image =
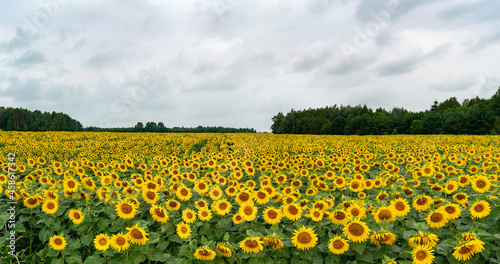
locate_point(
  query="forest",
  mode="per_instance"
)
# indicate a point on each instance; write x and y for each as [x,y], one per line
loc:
[19,119]
[472,116]
[160,128]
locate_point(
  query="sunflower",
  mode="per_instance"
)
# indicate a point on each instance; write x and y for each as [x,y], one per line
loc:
[357,231]
[273,241]
[272,215]
[452,211]
[159,214]
[304,238]
[137,235]
[150,196]
[237,218]
[400,207]
[243,197]
[248,211]
[427,239]
[120,242]
[461,198]
[221,207]
[315,214]
[102,242]
[466,250]
[251,245]
[383,237]
[339,217]
[480,209]
[183,230]
[451,186]
[422,203]
[224,250]
[292,211]
[70,185]
[215,193]
[338,245]
[204,253]
[200,187]
[384,213]
[481,184]
[50,206]
[173,205]
[32,202]
[262,197]
[125,210]
[57,242]
[437,219]
[357,211]
[356,186]
[76,216]
[381,196]
[204,214]
[200,203]
[188,216]
[422,255]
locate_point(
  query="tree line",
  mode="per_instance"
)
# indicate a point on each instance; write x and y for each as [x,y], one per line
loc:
[20,119]
[472,116]
[161,128]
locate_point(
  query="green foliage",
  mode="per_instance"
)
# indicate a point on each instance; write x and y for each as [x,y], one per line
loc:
[19,119]
[416,127]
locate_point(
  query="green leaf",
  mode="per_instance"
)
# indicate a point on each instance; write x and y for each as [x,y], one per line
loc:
[52,253]
[94,259]
[358,247]
[74,259]
[102,224]
[45,234]
[57,261]
[86,239]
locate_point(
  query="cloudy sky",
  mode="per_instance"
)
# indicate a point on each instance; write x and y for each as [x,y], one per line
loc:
[237,63]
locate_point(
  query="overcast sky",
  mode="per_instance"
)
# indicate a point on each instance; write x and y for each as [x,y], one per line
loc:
[237,63]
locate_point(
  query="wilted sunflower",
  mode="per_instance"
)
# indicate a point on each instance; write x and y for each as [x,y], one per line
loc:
[466,250]
[427,239]
[292,211]
[76,216]
[137,235]
[383,237]
[57,242]
[102,242]
[480,209]
[183,230]
[125,210]
[159,214]
[224,250]
[205,254]
[422,255]
[251,245]
[32,201]
[188,216]
[461,198]
[119,242]
[50,206]
[357,231]
[338,245]
[273,241]
[272,215]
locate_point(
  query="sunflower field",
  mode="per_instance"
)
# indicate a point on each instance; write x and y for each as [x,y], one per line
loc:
[83,197]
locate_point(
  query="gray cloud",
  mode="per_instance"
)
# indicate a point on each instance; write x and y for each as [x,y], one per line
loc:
[367,9]
[459,84]
[486,42]
[478,12]
[30,57]
[104,60]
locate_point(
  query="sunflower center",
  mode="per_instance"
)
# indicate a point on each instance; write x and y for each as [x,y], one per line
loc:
[356,229]
[421,201]
[151,195]
[338,244]
[244,197]
[478,208]
[304,237]
[184,230]
[251,243]
[202,186]
[465,249]
[436,217]
[32,201]
[189,215]
[51,205]
[103,241]
[293,210]
[222,206]
[136,234]
[261,195]
[400,206]
[71,184]
[76,216]
[460,197]
[355,185]
[385,214]
[421,255]
[450,209]
[480,184]
[272,214]
[316,214]
[58,241]
[184,192]
[339,215]
[126,208]
[172,204]
[450,187]
[382,196]
[120,241]
[205,252]
[248,210]
[159,212]
[383,238]
[355,212]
